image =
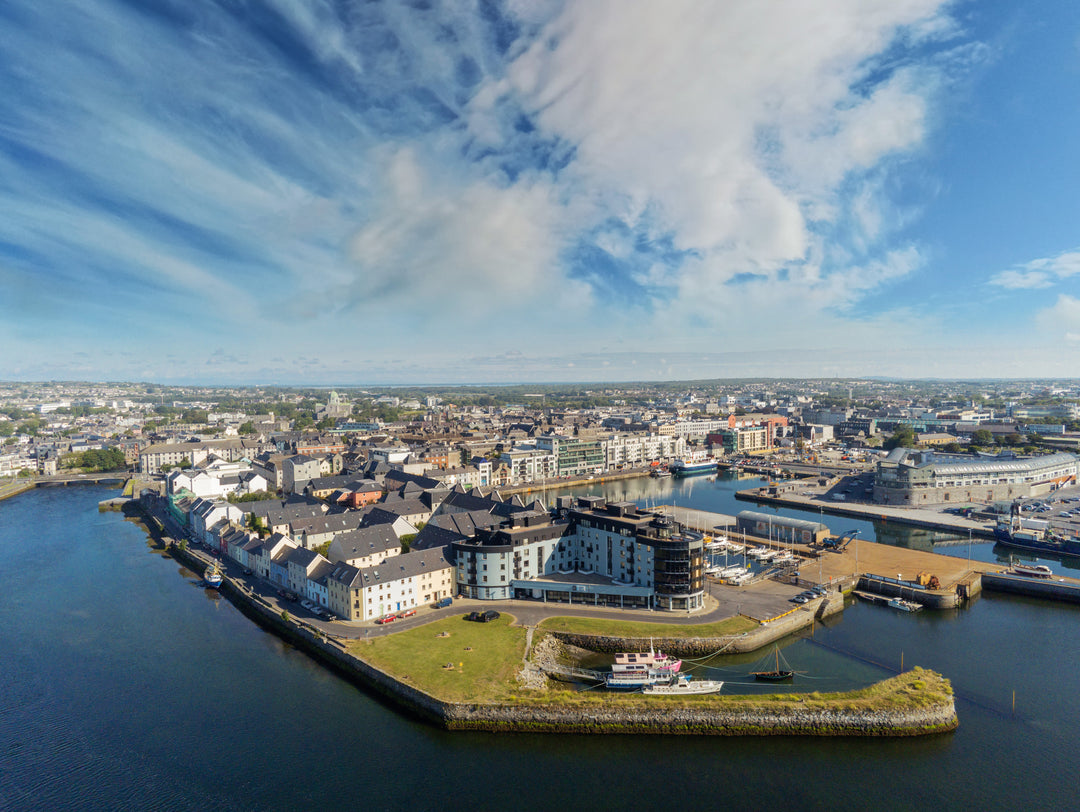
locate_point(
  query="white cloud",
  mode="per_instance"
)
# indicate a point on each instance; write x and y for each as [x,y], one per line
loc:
[1039,273]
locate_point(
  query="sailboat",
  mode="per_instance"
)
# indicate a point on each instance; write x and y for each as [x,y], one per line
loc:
[778,674]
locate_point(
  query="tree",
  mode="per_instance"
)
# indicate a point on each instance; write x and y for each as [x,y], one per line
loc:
[953,448]
[185,463]
[324,548]
[247,428]
[982,437]
[903,437]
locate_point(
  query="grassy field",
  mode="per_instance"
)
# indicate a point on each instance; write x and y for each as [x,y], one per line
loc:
[485,658]
[629,628]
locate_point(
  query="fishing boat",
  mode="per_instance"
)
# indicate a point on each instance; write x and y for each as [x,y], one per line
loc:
[1032,570]
[905,606]
[212,576]
[633,670]
[777,674]
[660,473]
[1035,535]
[683,685]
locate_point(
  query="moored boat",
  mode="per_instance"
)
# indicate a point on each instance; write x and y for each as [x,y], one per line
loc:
[684,468]
[905,606]
[1035,535]
[1032,570]
[212,576]
[633,670]
[684,686]
[775,674]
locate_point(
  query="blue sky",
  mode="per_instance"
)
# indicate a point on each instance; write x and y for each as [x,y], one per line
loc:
[307,191]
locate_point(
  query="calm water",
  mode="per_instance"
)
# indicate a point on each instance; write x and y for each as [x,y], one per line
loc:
[127,686]
[718,496]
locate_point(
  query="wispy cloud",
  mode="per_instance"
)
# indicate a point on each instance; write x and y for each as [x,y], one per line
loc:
[565,171]
[1039,273]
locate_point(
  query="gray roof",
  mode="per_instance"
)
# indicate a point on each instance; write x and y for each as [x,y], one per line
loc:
[407,565]
[363,542]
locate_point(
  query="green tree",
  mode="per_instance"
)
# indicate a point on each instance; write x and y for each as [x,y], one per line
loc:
[982,437]
[185,463]
[324,548]
[247,428]
[903,437]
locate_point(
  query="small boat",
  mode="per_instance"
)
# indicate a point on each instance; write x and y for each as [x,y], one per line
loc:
[1032,570]
[684,686]
[777,674]
[660,473]
[905,606]
[212,576]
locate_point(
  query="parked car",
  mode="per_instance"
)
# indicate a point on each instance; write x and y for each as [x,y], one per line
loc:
[489,615]
[406,613]
[473,616]
[387,619]
[248,571]
[308,605]
[442,604]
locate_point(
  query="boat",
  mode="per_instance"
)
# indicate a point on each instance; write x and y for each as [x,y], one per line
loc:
[1035,535]
[777,674]
[633,670]
[683,685]
[905,606]
[212,576]
[660,473]
[1032,570]
[684,468]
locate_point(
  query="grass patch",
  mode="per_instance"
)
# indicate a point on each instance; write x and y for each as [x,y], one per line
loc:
[417,657]
[630,628]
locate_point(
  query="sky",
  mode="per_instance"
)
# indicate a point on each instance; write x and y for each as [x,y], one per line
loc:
[316,192]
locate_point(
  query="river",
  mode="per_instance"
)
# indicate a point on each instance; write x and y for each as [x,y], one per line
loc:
[126,685]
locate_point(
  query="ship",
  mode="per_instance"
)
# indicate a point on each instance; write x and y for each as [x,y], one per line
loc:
[684,468]
[212,576]
[632,671]
[1035,535]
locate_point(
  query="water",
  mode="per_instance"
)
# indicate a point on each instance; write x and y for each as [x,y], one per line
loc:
[718,496]
[125,685]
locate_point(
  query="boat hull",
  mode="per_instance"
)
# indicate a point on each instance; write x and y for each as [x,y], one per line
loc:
[1035,545]
[774,676]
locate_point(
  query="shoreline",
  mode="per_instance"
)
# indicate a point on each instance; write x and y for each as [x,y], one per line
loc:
[721,716]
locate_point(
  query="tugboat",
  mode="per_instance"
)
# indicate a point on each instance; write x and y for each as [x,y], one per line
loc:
[212,576]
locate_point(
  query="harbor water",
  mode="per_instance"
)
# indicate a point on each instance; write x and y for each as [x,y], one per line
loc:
[127,685]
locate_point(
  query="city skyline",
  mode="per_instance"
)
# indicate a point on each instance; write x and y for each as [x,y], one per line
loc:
[334,193]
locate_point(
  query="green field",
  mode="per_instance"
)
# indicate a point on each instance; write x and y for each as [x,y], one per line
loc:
[485,658]
[642,629]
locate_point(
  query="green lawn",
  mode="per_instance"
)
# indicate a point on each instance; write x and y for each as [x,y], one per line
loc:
[486,673]
[630,628]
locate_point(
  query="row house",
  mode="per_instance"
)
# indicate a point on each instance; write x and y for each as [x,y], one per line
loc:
[307,574]
[404,581]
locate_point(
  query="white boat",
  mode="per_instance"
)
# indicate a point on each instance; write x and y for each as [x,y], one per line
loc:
[905,606]
[684,686]
[735,548]
[632,670]
[785,557]
[1032,570]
